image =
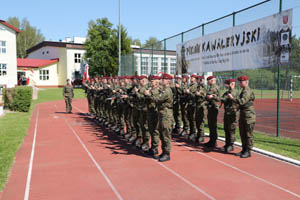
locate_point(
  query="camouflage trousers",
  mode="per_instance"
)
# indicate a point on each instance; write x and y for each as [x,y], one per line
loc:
[229,128]
[152,119]
[200,111]
[68,101]
[165,129]
[246,133]
[143,126]
[177,116]
[91,101]
[191,112]
[212,115]
[186,124]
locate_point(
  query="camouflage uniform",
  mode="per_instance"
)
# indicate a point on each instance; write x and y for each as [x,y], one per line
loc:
[230,117]
[191,109]
[68,94]
[200,111]
[212,114]
[247,117]
[183,106]
[177,110]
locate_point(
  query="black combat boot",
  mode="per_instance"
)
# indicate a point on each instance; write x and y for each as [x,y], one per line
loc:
[192,137]
[138,142]
[127,136]
[132,139]
[153,153]
[241,152]
[183,133]
[165,157]
[210,144]
[145,147]
[246,154]
[229,148]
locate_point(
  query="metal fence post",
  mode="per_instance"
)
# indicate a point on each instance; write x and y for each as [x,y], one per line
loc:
[165,57]
[278,86]
[233,24]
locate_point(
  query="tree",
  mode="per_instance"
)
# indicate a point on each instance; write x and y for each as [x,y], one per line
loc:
[28,37]
[154,41]
[136,42]
[102,47]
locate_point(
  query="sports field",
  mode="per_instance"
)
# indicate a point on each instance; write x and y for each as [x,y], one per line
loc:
[68,156]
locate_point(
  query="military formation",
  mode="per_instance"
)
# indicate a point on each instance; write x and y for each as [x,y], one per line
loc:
[149,110]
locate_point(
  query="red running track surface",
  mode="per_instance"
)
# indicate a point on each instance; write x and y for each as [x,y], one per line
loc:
[76,159]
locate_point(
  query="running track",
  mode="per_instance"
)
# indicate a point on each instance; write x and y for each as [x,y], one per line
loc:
[66,156]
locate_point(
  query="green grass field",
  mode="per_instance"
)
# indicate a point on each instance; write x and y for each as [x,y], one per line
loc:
[283,146]
[14,126]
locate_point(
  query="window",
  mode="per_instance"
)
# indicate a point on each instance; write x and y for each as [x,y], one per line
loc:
[77,58]
[2,46]
[3,69]
[173,66]
[47,52]
[164,64]
[144,67]
[155,66]
[44,74]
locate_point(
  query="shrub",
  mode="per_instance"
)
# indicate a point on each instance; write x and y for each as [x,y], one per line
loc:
[18,98]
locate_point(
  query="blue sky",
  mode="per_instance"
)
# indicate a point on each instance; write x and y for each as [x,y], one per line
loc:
[58,19]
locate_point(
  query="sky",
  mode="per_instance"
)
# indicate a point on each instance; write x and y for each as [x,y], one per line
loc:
[58,19]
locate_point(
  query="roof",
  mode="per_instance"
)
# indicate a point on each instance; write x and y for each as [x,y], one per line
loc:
[35,63]
[10,26]
[69,45]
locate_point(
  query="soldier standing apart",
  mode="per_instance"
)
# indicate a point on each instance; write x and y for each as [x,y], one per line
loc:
[68,94]
[164,101]
[247,116]
[212,97]
[230,115]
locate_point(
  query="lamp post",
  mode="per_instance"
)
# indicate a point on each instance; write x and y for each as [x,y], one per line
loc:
[119,71]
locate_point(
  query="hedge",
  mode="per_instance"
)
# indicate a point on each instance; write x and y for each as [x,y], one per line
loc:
[18,98]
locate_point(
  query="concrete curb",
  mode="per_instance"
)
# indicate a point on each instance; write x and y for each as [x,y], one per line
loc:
[267,153]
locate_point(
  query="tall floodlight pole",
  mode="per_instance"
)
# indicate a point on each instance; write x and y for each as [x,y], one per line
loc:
[119,71]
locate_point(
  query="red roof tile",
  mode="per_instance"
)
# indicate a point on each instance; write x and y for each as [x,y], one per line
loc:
[35,63]
[10,26]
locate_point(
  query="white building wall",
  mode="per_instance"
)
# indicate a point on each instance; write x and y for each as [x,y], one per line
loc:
[71,65]
[35,76]
[10,57]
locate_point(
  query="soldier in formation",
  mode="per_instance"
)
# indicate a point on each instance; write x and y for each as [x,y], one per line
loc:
[148,109]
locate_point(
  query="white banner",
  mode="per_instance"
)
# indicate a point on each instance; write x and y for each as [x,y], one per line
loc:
[257,44]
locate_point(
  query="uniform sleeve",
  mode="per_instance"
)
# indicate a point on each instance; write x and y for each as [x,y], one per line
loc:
[72,92]
[64,91]
[162,97]
[245,98]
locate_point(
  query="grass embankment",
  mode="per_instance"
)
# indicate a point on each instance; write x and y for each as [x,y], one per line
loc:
[14,126]
[283,146]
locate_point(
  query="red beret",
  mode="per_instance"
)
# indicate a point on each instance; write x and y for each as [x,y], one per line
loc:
[210,77]
[167,76]
[126,77]
[231,80]
[178,76]
[195,76]
[201,77]
[133,77]
[227,81]
[155,77]
[142,77]
[243,78]
[186,76]
[115,77]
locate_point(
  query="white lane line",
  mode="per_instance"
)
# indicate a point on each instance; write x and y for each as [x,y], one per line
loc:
[242,171]
[95,162]
[186,181]
[27,188]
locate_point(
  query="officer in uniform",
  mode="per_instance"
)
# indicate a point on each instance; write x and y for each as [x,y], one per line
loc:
[68,94]
[247,116]
[164,101]
[230,115]
[213,98]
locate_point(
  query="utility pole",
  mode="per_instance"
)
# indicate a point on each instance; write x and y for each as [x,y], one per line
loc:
[119,71]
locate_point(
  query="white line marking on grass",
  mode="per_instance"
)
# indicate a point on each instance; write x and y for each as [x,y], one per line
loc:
[186,181]
[27,188]
[95,162]
[242,171]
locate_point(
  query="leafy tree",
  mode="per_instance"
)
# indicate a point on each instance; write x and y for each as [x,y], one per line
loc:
[155,42]
[29,37]
[102,47]
[136,42]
